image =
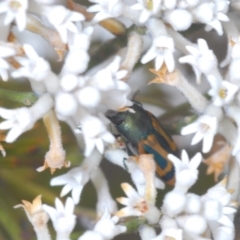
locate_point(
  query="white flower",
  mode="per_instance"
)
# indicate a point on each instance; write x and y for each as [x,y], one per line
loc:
[91,235]
[193,224]
[223,233]
[186,171]
[107,227]
[18,121]
[66,104]
[74,180]
[173,16]
[89,96]
[136,205]
[106,9]
[62,217]
[223,94]
[173,203]
[15,9]
[219,10]
[80,40]
[170,233]
[202,59]
[4,65]
[22,119]
[146,232]
[148,8]
[217,205]
[62,19]
[69,82]
[162,50]
[187,3]
[107,79]
[33,66]
[108,82]
[76,61]
[205,128]
[203,13]
[118,96]
[94,133]
[169,4]
[193,203]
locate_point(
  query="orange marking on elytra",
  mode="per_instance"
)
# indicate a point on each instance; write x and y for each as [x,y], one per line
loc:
[153,143]
[161,131]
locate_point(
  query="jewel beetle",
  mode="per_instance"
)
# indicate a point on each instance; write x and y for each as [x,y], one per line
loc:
[145,134]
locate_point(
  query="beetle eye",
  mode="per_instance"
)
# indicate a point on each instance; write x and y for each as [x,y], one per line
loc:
[115,117]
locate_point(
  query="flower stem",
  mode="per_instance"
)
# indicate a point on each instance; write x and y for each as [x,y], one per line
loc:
[42,233]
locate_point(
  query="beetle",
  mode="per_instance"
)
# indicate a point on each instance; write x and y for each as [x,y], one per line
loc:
[145,134]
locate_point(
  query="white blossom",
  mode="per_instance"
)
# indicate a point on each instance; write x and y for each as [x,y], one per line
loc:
[80,40]
[205,128]
[108,82]
[33,66]
[91,235]
[136,205]
[173,203]
[193,224]
[217,205]
[105,229]
[15,10]
[147,9]
[118,96]
[4,65]
[170,233]
[203,12]
[95,134]
[202,59]
[147,232]
[173,16]
[162,50]
[18,121]
[193,203]
[107,78]
[188,3]
[74,180]
[186,171]
[62,217]
[76,62]
[22,119]
[169,4]
[63,20]
[89,96]
[109,223]
[219,9]
[106,9]
[223,94]
[69,82]
[66,104]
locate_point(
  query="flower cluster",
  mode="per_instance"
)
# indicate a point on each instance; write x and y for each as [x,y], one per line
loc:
[88,82]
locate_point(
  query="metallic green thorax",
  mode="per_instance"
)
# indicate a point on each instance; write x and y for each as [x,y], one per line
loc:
[132,126]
